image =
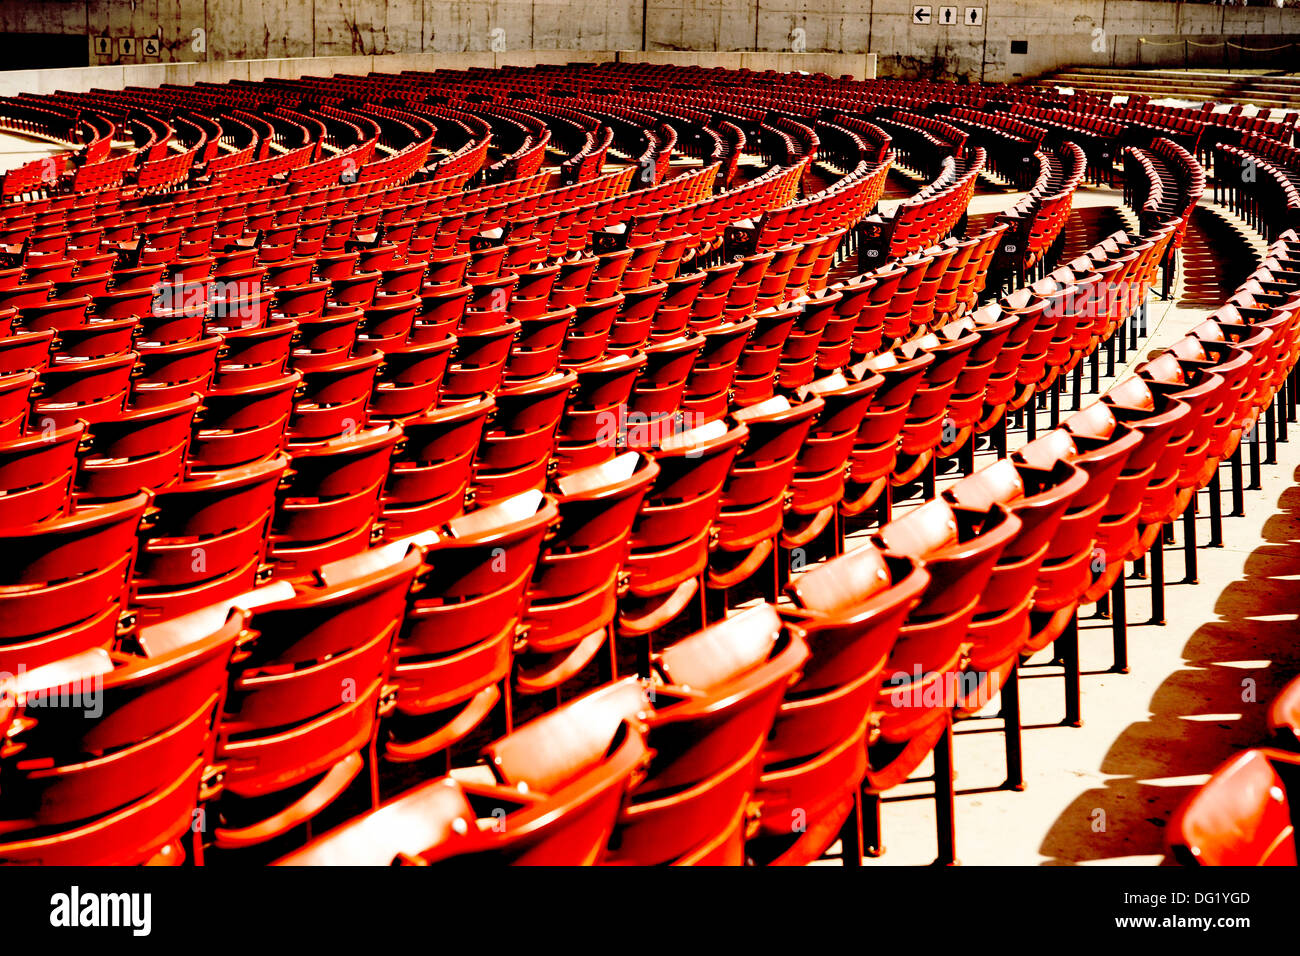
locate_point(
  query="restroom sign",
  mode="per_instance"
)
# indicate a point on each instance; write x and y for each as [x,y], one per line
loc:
[126,46]
[948,16]
[149,46]
[974,16]
[103,46]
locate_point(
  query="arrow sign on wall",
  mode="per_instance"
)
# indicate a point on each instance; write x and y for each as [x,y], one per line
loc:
[921,14]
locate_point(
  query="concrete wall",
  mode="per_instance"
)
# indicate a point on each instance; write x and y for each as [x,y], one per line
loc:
[80,80]
[1096,32]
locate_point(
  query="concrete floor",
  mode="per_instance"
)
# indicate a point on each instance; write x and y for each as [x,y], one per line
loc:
[15,150]
[1198,687]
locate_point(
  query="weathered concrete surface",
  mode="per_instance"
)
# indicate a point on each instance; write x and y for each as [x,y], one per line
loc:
[1080,32]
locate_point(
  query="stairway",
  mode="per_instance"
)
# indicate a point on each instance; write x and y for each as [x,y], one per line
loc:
[1265,90]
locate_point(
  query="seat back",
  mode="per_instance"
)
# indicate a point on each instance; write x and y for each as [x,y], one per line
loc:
[1244,815]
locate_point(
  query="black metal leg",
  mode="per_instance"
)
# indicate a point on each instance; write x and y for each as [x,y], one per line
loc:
[1270,433]
[1216,512]
[1119,625]
[1238,485]
[851,836]
[1011,728]
[1067,647]
[945,810]
[1189,542]
[1256,482]
[871,842]
[1158,580]
[966,456]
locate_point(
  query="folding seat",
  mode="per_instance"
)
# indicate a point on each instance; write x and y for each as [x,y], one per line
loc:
[337,266]
[36,472]
[1243,815]
[558,783]
[254,356]
[868,334]
[118,783]
[55,314]
[573,597]
[898,317]
[488,302]
[289,742]
[204,540]
[635,318]
[596,420]
[167,373]
[517,443]
[388,322]
[15,399]
[966,404]
[572,282]
[479,361]
[742,295]
[410,379]
[639,271]
[876,445]
[301,300]
[124,303]
[708,388]
[589,334]
[461,624]
[1204,393]
[93,390]
[288,274]
[1000,629]
[358,289]
[22,296]
[1167,424]
[1236,368]
[715,695]
[145,448]
[52,270]
[657,395]
[960,548]
[403,280]
[64,583]
[431,469]
[446,271]
[670,540]
[532,292]
[328,505]
[536,350]
[675,310]
[1284,717]
[822,468]
[754,496]
[325,338]
[957,275]
[711,299]
[927,291]
[334,399]
[442,308]
[1073,558]
[814,760]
